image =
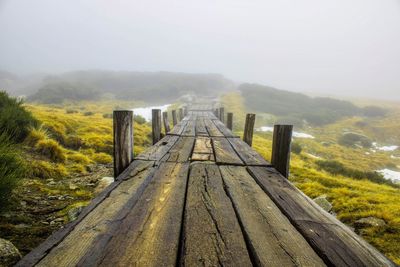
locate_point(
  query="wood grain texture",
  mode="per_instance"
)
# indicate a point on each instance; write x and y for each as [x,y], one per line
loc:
[334,242]
[203,150]
[174,118]
[180,151]
[201,129]
[224,153]
[212,128]
[248,155]
[222,128]
[229,120]
[273,241]
[281,142]
[178,129]
[166,122]
[123,140]
[249,128]
[212,235]
[156,125]
[157,151]
[148,233]
[82,237]
[190,128]
[32,258]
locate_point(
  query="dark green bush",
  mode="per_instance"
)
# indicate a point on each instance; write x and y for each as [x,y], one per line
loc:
[139,119]
[88,113]
[296,148]
[373,111]
[12,168]
[352,139]
[14,119]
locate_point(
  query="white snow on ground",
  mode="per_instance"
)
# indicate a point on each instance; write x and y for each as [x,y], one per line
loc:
[295,134]
[385,148]
[390,175]
[146,112]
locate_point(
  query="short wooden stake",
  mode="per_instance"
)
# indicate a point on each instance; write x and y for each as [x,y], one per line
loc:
[222,114]
[281,143]
[166,122]
[156,125]
[185,111]
[229,120]
[174,119]
[249,128]
[180,114]
[217,113]
[123,140]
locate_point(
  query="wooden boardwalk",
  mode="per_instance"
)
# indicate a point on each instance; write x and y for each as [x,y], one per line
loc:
[202,197]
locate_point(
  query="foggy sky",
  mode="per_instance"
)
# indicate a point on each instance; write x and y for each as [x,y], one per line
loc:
[340,47]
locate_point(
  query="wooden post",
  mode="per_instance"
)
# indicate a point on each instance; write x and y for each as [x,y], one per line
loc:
[222,114]
[229,120]
[180,114]
[174,120]
[166,122]
[185,111]
[217,113]
[123,140]
[249,128]
[281,143]
[156,125]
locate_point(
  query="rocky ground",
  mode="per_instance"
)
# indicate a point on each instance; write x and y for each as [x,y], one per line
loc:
[40,207]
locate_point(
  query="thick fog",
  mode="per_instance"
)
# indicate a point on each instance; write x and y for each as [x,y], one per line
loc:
[341,47]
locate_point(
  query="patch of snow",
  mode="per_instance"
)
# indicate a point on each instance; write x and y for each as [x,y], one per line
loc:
[394,157]
[146,112]
[367,153]
[390,175]
[385,148]
[295,134]
[313,156]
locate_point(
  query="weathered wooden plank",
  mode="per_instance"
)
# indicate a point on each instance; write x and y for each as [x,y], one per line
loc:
[272,239]
[77,236]
[212,129]
[180,151]
[157,151]
[123,140]
[281,142]
[248,155]
[203,149]
[334,242]
[190,128]
[229,121]
[148,233]
[156,125]
[224,152]
[201,129]
[249,128]
[223,129]
[212,235]
[166,122]
[178,129]
[174,118]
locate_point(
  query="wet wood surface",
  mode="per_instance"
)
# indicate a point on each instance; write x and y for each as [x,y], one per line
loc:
[203,197]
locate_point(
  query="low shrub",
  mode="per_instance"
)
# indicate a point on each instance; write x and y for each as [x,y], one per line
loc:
[73,142]
[71,111]
[107,115]
[79,158]
[139,119]
[51,149]
[88,113]
[45,170]
[296,148]
[12,168]
[102,158]
[15,121]
[353,139]
[35,135]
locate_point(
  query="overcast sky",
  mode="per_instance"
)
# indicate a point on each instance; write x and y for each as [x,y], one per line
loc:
[332,47]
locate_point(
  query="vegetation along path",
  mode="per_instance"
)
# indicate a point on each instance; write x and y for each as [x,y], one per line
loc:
[202,196]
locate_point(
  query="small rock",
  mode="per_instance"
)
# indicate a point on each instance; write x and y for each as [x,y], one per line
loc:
[9,254]
[369,222]
[73,213]
[51,183]
[52,197]
[72,187]
[103,183]
[323,203]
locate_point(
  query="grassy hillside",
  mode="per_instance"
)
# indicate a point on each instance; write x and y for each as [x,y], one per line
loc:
[349,186]
[157,87]
[65,154]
